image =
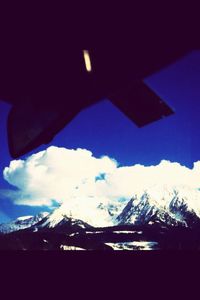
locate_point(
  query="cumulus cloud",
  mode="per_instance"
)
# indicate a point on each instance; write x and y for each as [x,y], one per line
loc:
[60,174]
[56,174]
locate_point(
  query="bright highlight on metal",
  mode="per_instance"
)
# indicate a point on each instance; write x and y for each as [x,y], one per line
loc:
[87,60]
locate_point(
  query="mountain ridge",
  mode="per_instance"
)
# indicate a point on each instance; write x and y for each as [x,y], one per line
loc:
[173,206]
[157,218]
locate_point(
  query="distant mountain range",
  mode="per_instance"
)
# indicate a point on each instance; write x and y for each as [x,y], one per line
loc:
[22,223]
[174,211]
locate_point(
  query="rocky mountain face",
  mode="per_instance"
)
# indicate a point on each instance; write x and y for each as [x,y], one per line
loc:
[171,207]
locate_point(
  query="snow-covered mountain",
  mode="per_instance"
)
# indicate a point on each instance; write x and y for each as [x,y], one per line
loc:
[95,212]
[172,206]
[22,223]
[62,221]
[168,218]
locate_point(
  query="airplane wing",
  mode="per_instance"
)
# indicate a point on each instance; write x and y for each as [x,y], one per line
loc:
[31,125]
[42,58]
[141,104]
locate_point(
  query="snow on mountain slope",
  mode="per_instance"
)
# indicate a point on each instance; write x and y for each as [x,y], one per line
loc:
[22,223]
[60,220]
[24,218]
[170,205]
[95,212]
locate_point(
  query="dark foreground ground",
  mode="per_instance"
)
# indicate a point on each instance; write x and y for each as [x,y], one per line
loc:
[124,237]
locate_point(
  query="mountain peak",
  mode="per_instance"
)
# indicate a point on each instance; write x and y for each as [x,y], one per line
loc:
[171,205]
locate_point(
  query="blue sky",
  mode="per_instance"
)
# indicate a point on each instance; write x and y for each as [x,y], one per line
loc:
[104,130]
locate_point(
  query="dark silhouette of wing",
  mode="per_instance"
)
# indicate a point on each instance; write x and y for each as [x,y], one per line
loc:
[141,104]
[31,125]
[45,75]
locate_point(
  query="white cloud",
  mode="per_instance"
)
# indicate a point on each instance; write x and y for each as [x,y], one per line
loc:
[62,174]
[56,174]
